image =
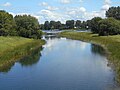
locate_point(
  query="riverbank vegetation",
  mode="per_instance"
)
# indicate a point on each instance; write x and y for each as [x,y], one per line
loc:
[13,48]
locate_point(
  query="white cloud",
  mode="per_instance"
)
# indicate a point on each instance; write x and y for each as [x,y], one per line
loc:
[82,9]
[7,4]
[90,15]
[105,7]
[107,4]
[47,6]
[107,1]
[50,44]
[99,13]
[75,13]
[65,1]
[43,4]
[52,15]
[52,8]
[80,45]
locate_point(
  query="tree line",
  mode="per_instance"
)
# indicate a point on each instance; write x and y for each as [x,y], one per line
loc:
[70,24]
[20,25]
[108,26]
[29,27]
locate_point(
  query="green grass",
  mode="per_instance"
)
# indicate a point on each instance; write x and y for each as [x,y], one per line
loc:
[13,48]
[110,43]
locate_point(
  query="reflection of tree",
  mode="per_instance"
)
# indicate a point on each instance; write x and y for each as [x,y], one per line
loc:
[31,59]
[6,66]
[51,35]
[96,49]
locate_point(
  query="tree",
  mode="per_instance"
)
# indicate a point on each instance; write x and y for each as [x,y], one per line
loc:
[62,27]
[58,25]
[47,25]
[84,25]
[95,24]
[42,26]
[78,24]
[27,26]
[113,12]
[7,24]
[70,24]
[109,26]
[88,22]
[52,24]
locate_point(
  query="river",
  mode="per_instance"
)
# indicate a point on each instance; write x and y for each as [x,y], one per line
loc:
[61,64]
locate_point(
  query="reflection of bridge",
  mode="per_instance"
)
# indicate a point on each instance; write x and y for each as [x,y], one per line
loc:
[50,34]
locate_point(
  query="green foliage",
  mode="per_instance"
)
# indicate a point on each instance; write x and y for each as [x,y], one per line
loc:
[84,25]
[78,24]
[41,26]
[55,25]
[58,25]
[114,12]
[27,26]
[47,25]
[62,27]
[13,48]
[31,59]
[70,24]
[7,24]
[52,25]
[94,24]
[109,26]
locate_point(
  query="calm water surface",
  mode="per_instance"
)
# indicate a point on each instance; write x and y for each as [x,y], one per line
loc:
[61,64]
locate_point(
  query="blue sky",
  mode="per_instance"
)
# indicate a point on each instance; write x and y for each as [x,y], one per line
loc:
[59,10]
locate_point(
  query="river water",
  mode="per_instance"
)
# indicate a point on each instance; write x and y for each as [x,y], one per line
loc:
[61,64]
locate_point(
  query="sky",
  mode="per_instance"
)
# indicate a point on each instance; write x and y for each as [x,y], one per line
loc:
[59,10]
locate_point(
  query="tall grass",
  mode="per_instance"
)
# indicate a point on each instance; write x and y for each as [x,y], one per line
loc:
[110,43]
[13,48]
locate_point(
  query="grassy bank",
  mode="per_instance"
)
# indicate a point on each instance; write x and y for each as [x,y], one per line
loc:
[13,48]
[110,43]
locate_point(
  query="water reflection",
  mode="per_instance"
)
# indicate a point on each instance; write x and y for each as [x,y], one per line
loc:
[96,49]
[47,37]
[29,60]
[7,67]
[64,65]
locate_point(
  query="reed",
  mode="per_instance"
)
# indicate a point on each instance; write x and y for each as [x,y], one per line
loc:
[14,48]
